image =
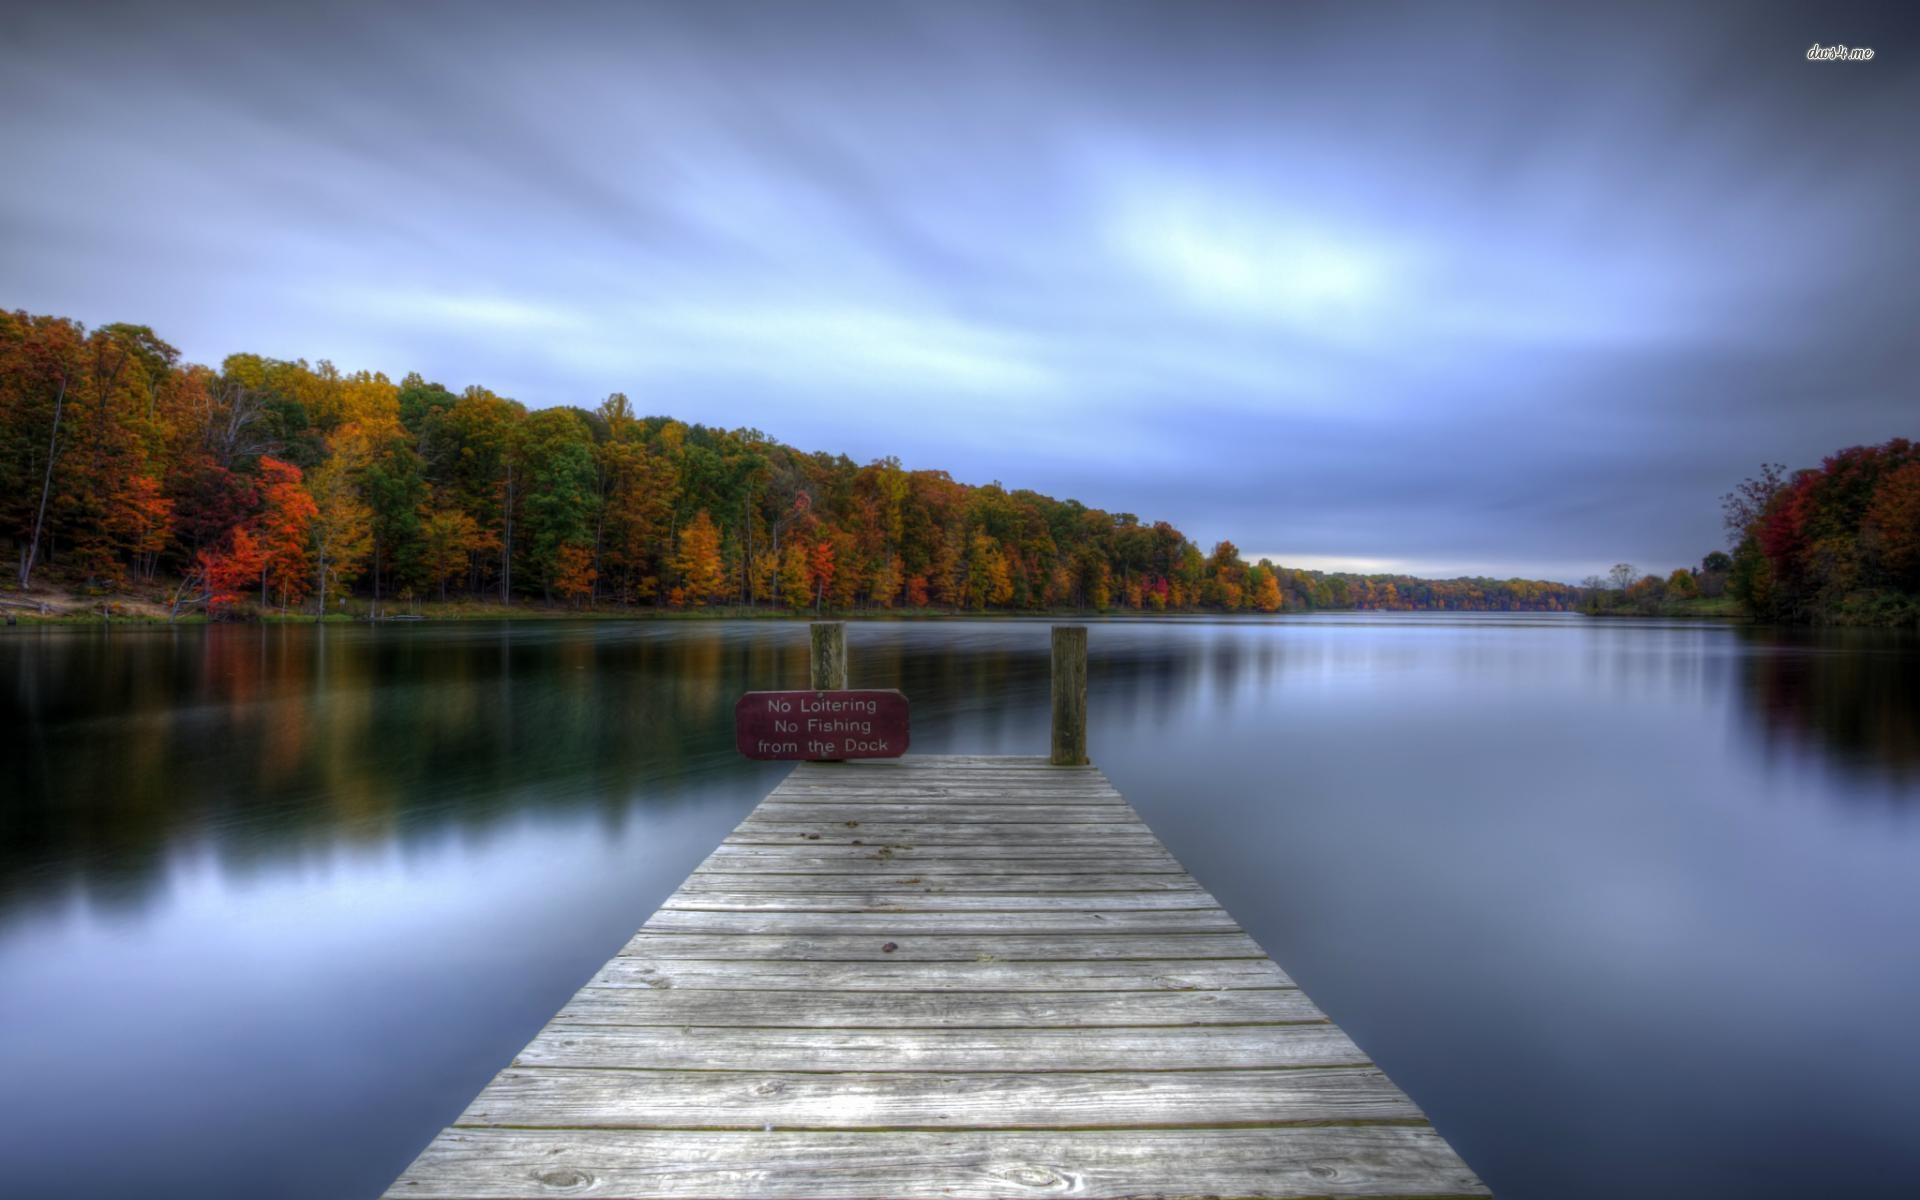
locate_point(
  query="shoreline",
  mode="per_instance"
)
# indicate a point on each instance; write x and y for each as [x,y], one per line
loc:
[123,612]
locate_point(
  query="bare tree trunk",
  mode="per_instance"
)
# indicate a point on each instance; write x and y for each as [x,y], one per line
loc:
[46,488]
[506,546]
[749,541]
[599,528]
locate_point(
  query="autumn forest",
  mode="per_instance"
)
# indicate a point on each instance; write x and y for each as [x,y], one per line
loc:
[269,487]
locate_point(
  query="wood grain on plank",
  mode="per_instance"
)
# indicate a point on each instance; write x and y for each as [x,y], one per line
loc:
[926,1010]
[889,973]
[926,899]
[1118,857]
[772,812]
[860,862]
[559,1097]
[701,1048]
[1282,1163]
[906,924]
[988,947]
[984,880]
[927,833]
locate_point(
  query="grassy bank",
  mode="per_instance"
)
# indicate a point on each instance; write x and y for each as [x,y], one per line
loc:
[1718,608]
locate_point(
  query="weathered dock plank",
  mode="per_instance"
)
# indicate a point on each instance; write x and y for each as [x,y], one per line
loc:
[977,975]
[700,1048]
[1282,1162]
[940,977]
[1006,947]
[926,833]
[974,882]
[853,1009]
[558,1097]
[928,900]
[951,858]
[907,924]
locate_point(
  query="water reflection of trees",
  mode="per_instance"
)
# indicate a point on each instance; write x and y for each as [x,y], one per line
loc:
[264,742]
[1852,696]
[266,738]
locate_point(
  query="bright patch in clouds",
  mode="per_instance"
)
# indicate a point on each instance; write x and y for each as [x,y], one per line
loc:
[1292,271]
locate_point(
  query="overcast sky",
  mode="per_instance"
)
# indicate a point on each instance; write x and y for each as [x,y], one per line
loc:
[1446,289]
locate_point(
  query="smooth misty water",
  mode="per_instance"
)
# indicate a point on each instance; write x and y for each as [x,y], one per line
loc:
[1630,908]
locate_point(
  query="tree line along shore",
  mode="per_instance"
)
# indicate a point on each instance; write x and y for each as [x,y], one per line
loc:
[134,484]
[1836,544]
[268,487]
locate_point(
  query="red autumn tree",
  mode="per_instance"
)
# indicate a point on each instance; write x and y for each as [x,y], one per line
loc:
[821,566]
[232,572]
[286,514]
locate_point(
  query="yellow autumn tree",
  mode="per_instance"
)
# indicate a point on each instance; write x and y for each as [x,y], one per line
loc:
[1265,587]
[796,580]
[989,581]
[702,574]
[448,539]
[341,532]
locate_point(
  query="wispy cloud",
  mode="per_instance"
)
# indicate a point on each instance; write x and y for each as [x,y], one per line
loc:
[1465,293]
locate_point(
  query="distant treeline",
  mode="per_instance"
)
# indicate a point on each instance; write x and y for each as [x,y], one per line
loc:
[1833,544]
[270,484]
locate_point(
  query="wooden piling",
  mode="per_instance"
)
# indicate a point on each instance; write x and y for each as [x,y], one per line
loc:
[829,656]
[1069,695]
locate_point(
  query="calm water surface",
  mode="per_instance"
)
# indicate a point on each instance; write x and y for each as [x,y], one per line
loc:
[1630,908]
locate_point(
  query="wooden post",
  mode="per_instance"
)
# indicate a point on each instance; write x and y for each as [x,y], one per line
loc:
[829,656]
[1069,695]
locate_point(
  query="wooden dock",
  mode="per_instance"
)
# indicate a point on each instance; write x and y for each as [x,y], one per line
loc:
[940,977]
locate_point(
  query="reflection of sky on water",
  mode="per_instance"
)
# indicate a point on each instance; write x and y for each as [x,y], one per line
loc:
[1599,895]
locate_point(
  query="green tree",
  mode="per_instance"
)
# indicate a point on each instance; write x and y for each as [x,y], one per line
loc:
[561,489]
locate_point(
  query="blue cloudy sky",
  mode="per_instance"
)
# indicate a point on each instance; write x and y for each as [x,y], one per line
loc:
[1439,288]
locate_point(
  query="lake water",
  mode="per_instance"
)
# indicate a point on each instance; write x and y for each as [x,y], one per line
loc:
[1631,908]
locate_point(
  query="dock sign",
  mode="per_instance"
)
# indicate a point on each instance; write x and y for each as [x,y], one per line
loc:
[869,723]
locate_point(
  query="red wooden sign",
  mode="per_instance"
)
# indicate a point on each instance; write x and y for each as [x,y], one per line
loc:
[846,724]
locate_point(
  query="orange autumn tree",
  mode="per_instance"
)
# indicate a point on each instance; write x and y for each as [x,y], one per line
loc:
[142,521]
[1265,588]
[702,574]
[1892,525]
[574,573]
